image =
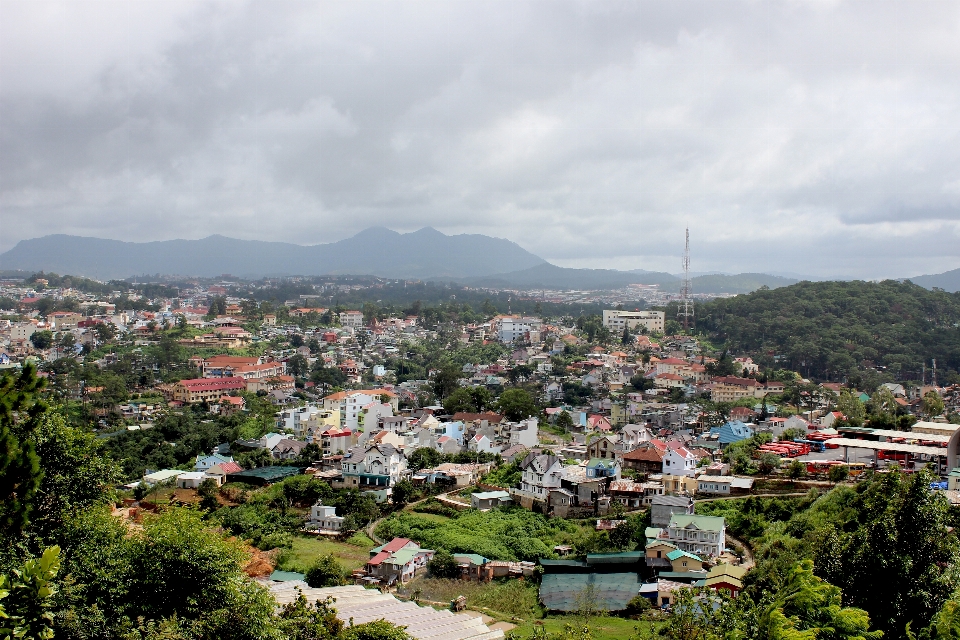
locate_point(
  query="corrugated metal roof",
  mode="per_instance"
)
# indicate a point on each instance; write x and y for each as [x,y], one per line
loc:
[888,446]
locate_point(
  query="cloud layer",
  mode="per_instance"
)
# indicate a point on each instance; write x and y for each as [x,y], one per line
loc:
[812,137]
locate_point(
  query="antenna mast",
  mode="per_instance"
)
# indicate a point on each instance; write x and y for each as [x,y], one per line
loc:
[685,309]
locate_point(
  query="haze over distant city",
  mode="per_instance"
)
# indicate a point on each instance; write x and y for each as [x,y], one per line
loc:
[816,138]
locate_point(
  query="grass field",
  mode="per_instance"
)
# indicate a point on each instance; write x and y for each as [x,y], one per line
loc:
[352,554]
[435,517]
[601,627]
[507,599]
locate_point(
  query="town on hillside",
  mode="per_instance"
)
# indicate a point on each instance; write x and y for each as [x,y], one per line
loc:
[407,459]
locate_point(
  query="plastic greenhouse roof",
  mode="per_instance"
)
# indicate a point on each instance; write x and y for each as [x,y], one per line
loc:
[612,591]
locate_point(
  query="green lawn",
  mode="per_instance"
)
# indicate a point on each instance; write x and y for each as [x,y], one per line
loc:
[352,554]
[601,627]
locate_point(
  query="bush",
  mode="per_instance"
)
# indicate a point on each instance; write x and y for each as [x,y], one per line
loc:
[444,565]
[637,605]
[325,572]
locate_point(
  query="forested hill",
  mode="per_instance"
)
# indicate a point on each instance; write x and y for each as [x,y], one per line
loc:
[838,330]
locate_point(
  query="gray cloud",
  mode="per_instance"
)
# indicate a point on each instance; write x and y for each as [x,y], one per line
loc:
[810,137]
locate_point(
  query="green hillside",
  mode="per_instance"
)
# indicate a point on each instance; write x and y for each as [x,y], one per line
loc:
[840,330]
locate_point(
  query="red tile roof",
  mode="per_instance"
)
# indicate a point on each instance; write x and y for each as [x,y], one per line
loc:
[396,544]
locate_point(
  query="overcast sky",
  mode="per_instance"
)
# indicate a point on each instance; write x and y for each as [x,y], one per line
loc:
[818,137]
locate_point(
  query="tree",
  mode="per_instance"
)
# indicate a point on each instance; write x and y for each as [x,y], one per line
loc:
[444,565]
[297,366]
[796,469]
[768,462]
[402,492]
[517,404]
[481,398]
[42,339]
[564,421]
[208,492]
[838,473]
[902,531]
[20,473]
[423,458]
[851,407]
[932,404]
[637,605]
[806,603]
[325,572]
[26,597]
[460,400]
[180,567]
[446,381]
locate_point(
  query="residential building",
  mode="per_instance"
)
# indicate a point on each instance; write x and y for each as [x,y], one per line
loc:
[664,507]
[702,535]
[352,319]
[324,519]
[540,474]
[645,459]
[351,403]
[731,388]
[206,389]
[680,461]
[617,320]
[287,449]
[204,463]
[485,500]
[733,431]
[375,467]
[723,485]
[603,447]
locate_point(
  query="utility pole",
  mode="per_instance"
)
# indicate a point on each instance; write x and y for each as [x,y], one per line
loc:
[685,308]
[934,372]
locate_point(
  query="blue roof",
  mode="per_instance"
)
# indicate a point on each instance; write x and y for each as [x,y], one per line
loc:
[733,431]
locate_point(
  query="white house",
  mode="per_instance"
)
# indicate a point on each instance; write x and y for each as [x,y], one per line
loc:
[378,466]
[541,474]
[633,435]
[680,462]
[481,444]
[324,519]
[191,479]
[525,433]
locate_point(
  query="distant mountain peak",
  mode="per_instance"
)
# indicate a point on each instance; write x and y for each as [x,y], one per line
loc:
[429,232]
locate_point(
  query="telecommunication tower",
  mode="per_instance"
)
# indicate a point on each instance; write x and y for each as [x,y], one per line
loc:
[685,309]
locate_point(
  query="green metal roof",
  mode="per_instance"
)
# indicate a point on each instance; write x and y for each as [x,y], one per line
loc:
[472,557]
[624,556]
[566,591]
[402,557]
[286,576]
[263,474]
[704,523]
[680,553]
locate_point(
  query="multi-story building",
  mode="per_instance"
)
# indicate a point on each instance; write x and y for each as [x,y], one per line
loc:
[616,321]
[352,319]
[731,388]
[540,474]
[378,466]
[702,535]
[351,403]
[206,389]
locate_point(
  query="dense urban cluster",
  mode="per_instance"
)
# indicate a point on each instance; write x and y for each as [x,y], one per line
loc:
[544,466]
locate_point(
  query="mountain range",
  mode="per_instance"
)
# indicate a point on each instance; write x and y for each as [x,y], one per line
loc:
[470,259]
